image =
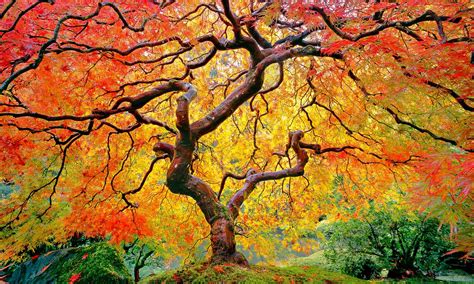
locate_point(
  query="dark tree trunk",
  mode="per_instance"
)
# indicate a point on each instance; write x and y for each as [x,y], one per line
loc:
[136,274]
[223,243]
[400,271]
[181,181]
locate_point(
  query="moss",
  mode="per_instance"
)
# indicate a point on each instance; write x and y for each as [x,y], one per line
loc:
[98,263]
[255,274]
[315,259]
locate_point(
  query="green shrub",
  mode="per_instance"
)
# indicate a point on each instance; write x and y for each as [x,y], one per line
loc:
[404,244]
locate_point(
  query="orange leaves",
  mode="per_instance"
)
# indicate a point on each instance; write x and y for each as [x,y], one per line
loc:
[397,152]
[336,156]
[107,221]
[219,269]
[272,12]
[189,238]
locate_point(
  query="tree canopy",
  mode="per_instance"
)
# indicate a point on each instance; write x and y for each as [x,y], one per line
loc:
[126,118]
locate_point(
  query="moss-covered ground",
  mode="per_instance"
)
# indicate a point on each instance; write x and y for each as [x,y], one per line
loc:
[98,263]
[202,273]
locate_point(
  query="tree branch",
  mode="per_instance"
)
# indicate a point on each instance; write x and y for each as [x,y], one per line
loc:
[425,17]
[234,176]
[252,180]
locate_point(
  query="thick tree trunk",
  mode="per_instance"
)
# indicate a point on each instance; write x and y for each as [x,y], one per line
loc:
[223,242]
[218,217]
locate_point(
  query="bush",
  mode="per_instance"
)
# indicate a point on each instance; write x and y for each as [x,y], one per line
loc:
[404,244]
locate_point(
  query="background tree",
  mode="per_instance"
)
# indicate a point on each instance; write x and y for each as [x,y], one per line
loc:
[404,244]
[248,95]
[138,255]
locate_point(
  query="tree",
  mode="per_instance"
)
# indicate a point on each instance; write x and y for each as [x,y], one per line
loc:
[138,256]
[404,244]
[251,91]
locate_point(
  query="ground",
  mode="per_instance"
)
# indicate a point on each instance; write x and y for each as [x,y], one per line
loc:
[201,273]
[98,263]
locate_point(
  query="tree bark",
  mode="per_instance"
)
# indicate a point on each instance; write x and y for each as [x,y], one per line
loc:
[136,274]
[180,181]
[223,242]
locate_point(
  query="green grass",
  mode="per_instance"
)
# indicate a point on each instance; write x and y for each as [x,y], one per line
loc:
[255,274]
[315,259]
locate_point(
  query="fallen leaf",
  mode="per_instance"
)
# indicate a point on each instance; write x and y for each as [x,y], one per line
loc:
[44,268]
[74,278]
[218,269]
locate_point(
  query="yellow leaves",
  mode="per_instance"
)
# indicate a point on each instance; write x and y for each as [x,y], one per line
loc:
[30,235]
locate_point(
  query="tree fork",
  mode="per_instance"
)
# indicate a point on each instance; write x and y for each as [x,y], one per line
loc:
[180,181]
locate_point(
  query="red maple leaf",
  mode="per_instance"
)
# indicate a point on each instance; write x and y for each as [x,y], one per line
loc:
[74,278]
[44,268]
[177,278]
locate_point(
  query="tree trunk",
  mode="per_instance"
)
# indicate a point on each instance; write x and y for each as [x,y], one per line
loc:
[217,215]
[180,181]
[223,243]
[136,274]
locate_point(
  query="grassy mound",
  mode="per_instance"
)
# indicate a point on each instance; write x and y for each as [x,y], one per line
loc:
[255,274]
[98,263]
[315,259]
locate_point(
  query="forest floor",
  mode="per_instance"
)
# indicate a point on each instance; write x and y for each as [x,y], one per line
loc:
[255,274]
[310,269]
[227,273]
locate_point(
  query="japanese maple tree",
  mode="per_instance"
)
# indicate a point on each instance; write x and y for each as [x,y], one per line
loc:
[107,107]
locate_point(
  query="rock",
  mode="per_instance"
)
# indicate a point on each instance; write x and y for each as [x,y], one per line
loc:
[97,263]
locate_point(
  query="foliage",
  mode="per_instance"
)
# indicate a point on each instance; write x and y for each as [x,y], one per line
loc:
[140,256]
[255,274]
[404,244]
[126,119]
[98,263]
[315,259]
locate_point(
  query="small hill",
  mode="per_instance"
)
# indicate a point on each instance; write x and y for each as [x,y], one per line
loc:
[228,273]
[98,263]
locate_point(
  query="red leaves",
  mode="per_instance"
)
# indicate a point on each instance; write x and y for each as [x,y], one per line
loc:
[177,278]
[66,68]
[336,156]
[45,268]
[337,46]
[189,238]
[445,186]
[85,256]
[74,278]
